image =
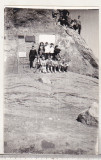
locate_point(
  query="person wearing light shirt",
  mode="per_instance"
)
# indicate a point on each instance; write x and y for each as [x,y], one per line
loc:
[51,49]
[47,50]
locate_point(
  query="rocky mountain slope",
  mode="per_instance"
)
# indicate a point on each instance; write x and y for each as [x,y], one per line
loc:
[73,46]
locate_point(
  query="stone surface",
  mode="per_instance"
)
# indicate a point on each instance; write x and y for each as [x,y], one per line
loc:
[44,80]
[35,22]
[90,116]
[36,111]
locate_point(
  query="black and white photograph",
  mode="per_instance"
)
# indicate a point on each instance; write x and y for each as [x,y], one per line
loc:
[51,81]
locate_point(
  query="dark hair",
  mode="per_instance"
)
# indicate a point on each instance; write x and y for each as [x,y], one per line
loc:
[56,46]
[51,44]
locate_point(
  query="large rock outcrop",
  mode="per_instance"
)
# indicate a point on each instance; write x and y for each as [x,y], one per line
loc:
[90,116]
[35,22]
[75,50]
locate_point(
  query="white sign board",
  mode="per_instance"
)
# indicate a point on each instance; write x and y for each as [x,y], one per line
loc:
[47,38]
[22,54]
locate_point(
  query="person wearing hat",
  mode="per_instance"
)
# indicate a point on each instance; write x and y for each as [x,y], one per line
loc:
[32,56]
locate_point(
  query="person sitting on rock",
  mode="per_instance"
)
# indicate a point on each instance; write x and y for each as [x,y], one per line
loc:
[43,64]
[49,64]
[64,66]
[59,65]
[32,56]
[55,65]
[36,63]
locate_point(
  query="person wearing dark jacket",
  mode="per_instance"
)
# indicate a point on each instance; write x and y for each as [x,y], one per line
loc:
[32,56]
[56,52]
[41,49]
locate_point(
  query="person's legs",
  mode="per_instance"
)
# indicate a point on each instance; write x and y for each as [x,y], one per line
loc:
[59,68]
[79,29]
[66,68]
[31,64]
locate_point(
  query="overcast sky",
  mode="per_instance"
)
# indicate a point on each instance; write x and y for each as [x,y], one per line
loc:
[90,27]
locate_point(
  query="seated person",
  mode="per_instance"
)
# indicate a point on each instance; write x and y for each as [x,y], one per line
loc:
[32,56]
[36,63]
[49,64]
[64,66]
[59,65]
[55,65]
[43,64]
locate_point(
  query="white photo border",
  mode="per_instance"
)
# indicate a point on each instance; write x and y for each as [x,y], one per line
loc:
[46,4]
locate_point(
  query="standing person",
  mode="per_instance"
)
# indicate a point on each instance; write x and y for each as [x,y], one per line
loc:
[68,20]
[51,50]
[79,24]
[41,49]
[55,15]
[47,50]
[56,52]
[32,56]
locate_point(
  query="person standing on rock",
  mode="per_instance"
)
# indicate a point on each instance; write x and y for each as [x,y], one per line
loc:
[79,24]
[41,49]
[47,50]
[56,52]
[43,64]
[55,15]
[32,56]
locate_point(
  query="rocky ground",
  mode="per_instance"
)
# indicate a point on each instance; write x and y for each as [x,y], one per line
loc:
[41,112]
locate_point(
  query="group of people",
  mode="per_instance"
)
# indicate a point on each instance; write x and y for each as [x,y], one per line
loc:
[47,50]
[47,59]
[64,18]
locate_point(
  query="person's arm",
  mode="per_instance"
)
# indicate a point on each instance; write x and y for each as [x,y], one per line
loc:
[29,55]
[35,53]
